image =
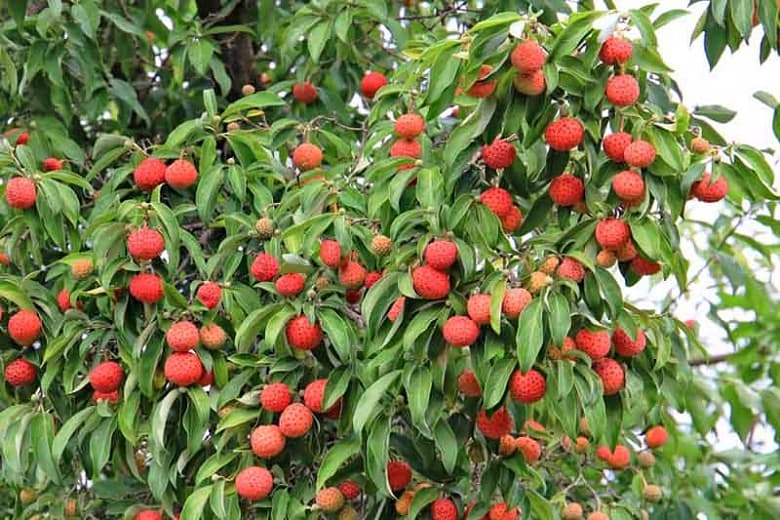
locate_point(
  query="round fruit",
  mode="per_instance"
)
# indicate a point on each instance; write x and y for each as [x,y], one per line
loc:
[381,245]
[371,83]
[209,294]
[514,302]
[460,331]
[710,191]
[307,156]
[409,126]
[595,343]
[501,511]
[212,336]
[528,56]
[149,174]
[444,509]
[181,174]
[499,154]
[406,148]
[656,437]
[644,267]
[598,515]
[254,483]
[571,269]
[606,258]
[329,499]
[350,489]
[639,154]
[468,384]
[264,267]
[622,90]
[512,220]
[530,448]
[615,146]
[628,185]
[564,134]
[106,377]
[612,233]
[429,283]
[314,396]
[700,145]
[399,474]
[560,353]
[397,308]
[267,441]
[51,164]
[572,511]
[652,493]
[531,83]
[352,275]
[290,284]
[527,388]
[482,88]
[498,200]
[330,253]
[295,421]
[24,327]
[478,308]
[20,193]
[646,459]
[183,368]
[265,228]
[496,425]
[302,334]
[275,397]
[182,336]
[148,514]
[567,190]
[146,288]
[611,374]
[304,92]
[615,51]
[441,254]
[145,244]
[20,372]
[627,347]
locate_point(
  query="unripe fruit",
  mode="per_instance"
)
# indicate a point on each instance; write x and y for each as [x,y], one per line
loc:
[700,145]
[267,441]
[181,174]
[429,283]
[478,308]
[381,245]
[656,437]
[409,126]
[550,264]
[639,154]
[496,425]
[652,493]
[527,388]
[371,83]
[572,511]
[20,372]
[528,56]
[24,327]
[482,88]
[598,515]
[149,174]
[106,377]
[399,474]
[302,334]
[209,294]
[515,301]
[571,269]
[20,193]
[396,309]
[329,499]
[707,191]
[506,446]
[606,258]
[183,368]
[627,347]
[560,353]
[612,233]
[646,459]
[404,502]
[498,200]
[330,253]
[27,496]
[264,267]
[441,254]
[615,50]
[352,275]
[254,483]
[307,156]
[499,154]
[71,508]
[581,444]
[538,281]
[295,421]
[615,146]
[444,509]
[460,331]
[564,134]
[348,513]
[595,343]
[290,284]
[182,336]
[247,90]
[146,288]
[212,336]
[611,374]
[622,90]
[531,83]
[265,228]
[566,190]
[468,384]
[304,92]
[81,268]
[530,448]
[233,126]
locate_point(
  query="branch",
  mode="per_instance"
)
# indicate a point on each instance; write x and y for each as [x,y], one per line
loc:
[712,360]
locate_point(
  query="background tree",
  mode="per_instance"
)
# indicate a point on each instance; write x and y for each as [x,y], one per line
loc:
[237,264]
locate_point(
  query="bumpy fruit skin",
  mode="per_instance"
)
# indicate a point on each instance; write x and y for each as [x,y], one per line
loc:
[527,388]
[20,193]
[397,308]
[254,483]
[606,258]
[330,253]
[304,92]
[644,267]
[501,512]
[615,146]
[146,288]
[506,446]
[183,368]
[564,134]
[595,343]
[550,264]
[478,308]
[652,493]
[612,233]
[212,336]
[444,509]
[371,83]
[51,164]
[495,426]
[145,244]
[499,154]
[381,245]
[498,200]
[267,441]
[700,145]
[307,156]
[598,515]
[209,294]
[538,281]
[528,56]
[371,278]
[707,191]
[106,377]
[615,50]
[512,220]
[441,254]
[20,372]
[622,90]
[264,267]
[406,148]
[206,379]
[627,252]
[148,514]
[290,284]
[560,353]
[63,300]
[265,228]
[111,397]
[429,283]
[149,174]
[572,511]
[645,459]
[531,83]
[530,448]
[628,185]
[482,88]
[468,384]
[295,421]
[302,334]
[639,154]
[612,375]
[399,474]
[350,489]
[571,269]
[460,331]
[627,347]
[181,174]
[81,268]
[656,437]
[329,499]
[275,397]
[24,327]
[409,126]
[182,336]
[567,190]
[352,275]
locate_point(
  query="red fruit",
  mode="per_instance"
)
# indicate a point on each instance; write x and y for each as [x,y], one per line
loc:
[644,267]
[350,489]
[560,353]
[429,283]
[254,483]
[352,275]
[5,259]
[409,126]
[622,90]
[397,307]
[612,233]
[372,278]
[611,373]
[499,154]
[527,388]
[267,441]
[530,448]
[500,511]
[482,88]
[20,372]
[264,267]
[149,514]
[63,300]
[406,148]
[24,327]
[149,174]
[444,509]
[571,269]
[512,220]
[183,368]
[371,83]
[497,425]
[182,336]
[20,193]
[615,50]
[146,288]
[295,421]
[460,331]
[304,92]
[290,284]
[478,308]
[181,174]
[111,397]
[617,459]
[615,146]
[528,56]
[212,336]
[627,347]
[498,200]
[399,474]
[307,156]
[314,396]
[106,377]
[302,334]
[330,253]
[707,191]
[22,138]
[639,154]
[51,164]
[209,294]
[628,185]
[441,254]
[468,384]
[515,300]
[145,244]
[595,343]
[531,83]
[329,499]
[564,134]
[656,437]
[567,190]
[353,296]
[207,379]
[627,252]
[275,397]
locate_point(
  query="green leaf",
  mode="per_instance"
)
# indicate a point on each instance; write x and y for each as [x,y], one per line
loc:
[576,29]
[160,417]
[199,54]
[100,444]
[317,38]
[559,318]
[368,405]
[447,444]
[257,100]
[422,499]
[193,506]
[530,336]
[336,456]
[338,332]
[495,383]
[716,113]
[68,429]
[418,392]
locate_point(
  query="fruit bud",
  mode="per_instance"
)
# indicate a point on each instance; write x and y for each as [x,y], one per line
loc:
[233,127]
[247,90]
[652,493]
[646,459]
